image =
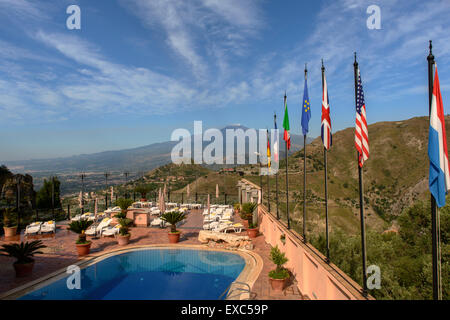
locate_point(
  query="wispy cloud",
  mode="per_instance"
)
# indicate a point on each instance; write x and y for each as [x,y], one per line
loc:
[201,30]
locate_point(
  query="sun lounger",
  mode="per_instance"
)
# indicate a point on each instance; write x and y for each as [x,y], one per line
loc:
[93,230]
[155,212]
[49,226]
[76,218]
[222,227]
[156,222]
[33,228]
[113,210]
[210,226]
[110,231]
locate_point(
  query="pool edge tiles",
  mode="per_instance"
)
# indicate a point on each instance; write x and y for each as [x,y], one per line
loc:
[252,267]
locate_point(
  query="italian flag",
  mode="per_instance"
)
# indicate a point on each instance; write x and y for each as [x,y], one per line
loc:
[286,136]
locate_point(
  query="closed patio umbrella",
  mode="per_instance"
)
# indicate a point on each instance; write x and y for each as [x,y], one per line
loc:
[208,204]
[162,203]
[80,199]
[217,190]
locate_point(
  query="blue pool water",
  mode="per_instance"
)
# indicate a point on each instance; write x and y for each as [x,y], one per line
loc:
[151,274]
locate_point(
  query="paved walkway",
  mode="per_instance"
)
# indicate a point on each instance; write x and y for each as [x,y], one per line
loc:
[61,252]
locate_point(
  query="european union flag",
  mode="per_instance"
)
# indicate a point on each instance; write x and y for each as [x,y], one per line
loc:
[306,110]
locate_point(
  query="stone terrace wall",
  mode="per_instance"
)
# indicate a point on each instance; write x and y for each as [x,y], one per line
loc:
[316,279]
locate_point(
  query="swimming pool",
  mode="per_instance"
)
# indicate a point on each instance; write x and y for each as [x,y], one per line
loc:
[150,274]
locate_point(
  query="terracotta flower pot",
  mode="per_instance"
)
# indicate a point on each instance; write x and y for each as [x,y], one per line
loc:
[123,240]
[10,231]
[252,233]
[83,249]
[245,223]
[23,269]
[174,237]
[278,284]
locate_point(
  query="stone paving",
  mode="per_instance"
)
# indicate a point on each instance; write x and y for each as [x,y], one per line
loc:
[61,252]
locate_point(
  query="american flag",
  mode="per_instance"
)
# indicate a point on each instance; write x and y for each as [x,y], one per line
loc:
[326,121]
[361,132]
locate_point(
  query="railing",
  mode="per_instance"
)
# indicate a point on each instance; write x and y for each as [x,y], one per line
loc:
[228,291]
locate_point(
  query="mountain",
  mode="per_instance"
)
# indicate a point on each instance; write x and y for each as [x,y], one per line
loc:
[395,176]
[135,160]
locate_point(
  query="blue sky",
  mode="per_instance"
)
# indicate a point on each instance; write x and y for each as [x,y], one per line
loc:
[139,69]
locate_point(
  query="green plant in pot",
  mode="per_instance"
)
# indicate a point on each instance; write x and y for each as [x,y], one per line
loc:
[80,227]
[9,222]
[173,217]
[278,277]
[252,230]
[124,231]
[247,212]
[23,253]
[123,204]
[237,207]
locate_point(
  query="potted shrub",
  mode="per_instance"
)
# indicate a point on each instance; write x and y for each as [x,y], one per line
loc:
[24,253]
[247,212]
[124,235]
[237,207]
[173,217]
[252,230]
[123,204]
[278,277]
[80,227]
[9,222]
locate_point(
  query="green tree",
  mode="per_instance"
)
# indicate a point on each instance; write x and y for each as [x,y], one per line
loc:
[44,195]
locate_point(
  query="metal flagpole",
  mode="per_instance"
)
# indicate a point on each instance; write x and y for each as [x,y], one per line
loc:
[304,176]
[287,178]
[434,212]
[268,173]
[53,198]
[361,199]
[82,175]
[276,174]
[326,181]
[126,173]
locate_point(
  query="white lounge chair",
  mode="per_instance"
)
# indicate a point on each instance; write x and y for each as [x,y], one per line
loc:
[236,227]
[222,226]
[49,226]
[33,228]
[93,230]
[111,231]
[156,222]
[113,210]
[76,218]
[210,226]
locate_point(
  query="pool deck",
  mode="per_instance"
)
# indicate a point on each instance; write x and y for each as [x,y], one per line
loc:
[61,252]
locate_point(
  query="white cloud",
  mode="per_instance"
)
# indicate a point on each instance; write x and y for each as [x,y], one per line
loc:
[201,30]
